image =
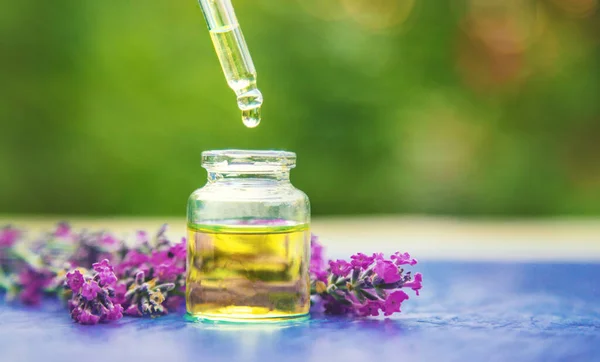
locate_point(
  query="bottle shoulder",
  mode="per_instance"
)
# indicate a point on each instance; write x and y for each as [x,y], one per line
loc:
[284,192]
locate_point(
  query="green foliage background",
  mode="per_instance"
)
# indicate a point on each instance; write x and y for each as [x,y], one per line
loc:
[106,106]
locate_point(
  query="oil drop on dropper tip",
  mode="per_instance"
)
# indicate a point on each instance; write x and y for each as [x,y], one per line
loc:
[250,103]
[251,118]
[235,59]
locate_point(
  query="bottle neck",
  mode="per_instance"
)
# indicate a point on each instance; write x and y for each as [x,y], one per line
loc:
[282,176]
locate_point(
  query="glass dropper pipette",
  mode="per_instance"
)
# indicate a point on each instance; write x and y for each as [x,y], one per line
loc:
[234,57]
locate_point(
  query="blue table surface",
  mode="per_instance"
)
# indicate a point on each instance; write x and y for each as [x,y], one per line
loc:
[466,312]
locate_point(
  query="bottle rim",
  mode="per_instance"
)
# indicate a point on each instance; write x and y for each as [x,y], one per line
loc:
[248,159]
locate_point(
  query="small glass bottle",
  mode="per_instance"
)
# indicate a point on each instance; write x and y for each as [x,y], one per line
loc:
[248,240]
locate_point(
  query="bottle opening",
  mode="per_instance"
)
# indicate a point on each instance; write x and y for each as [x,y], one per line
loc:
[248,160]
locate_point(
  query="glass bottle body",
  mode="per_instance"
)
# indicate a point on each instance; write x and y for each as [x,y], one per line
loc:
[248,240]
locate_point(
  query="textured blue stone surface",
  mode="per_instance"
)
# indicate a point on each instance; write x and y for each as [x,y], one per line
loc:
[466,312]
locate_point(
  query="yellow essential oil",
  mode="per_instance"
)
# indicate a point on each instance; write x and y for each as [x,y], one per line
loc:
[248,273]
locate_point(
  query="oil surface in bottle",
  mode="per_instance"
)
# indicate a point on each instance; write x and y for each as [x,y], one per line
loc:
[248,272]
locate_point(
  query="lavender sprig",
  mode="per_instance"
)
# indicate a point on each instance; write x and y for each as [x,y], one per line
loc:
[91,302]
[144,298]
[365,286]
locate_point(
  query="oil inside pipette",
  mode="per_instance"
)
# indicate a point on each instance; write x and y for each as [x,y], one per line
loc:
[239,70]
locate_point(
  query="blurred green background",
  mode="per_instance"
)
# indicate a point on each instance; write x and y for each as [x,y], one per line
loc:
[460,107]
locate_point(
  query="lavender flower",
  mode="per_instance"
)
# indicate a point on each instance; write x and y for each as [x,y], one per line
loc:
[63,230]
[133,259]
[32,284]
[404,258]
[378,256]
[158,259]
[317,263]
[370,308]
[416,284]
[91,301]
[361,260]
[334,306]
[105,271]
[74,280]
[158,264]
[317,268]
[179,250]
[367,286]
[84,316]
[340,268]
[144,298]
[92,247]
[108,239]
[90,289]
[8,236]
[393,302]
[387,270]
[142,237]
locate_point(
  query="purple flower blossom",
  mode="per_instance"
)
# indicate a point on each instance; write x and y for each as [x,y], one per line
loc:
[141,237]
[74,280]
[105,271]
[371,308]
[375,285]
[174,302]
[404,258]
[320,276]
[340,267]
[387,270]
[317,262]
[8,236]
[394,301]
[115,313]
[167,263]
[145,299]
[378,256]
[332,306]
[179,250]
[108,239]
[93,302]
[133,261]
[133,311]
[120,291]
[90,290]
[103,266]
[361,260]
[107,278]
[159,257]
[30,295]
[415,284]
[169,271]
[134,258]
[63,230]
[33,282]
[85,316]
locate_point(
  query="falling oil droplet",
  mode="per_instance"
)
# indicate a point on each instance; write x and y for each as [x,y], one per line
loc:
[250,102]
[251,117]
